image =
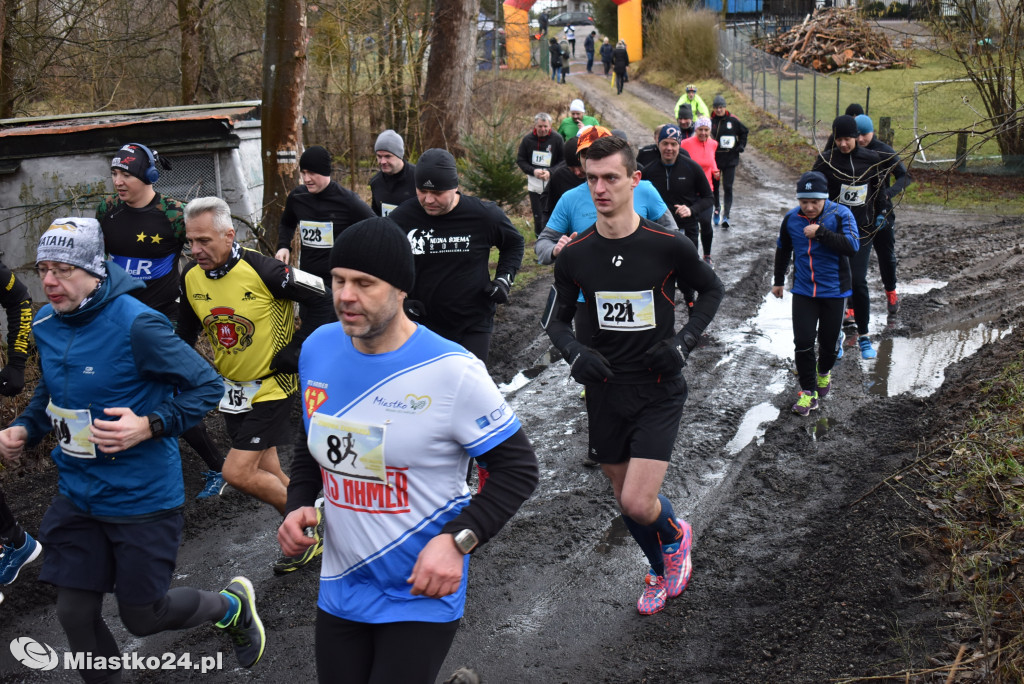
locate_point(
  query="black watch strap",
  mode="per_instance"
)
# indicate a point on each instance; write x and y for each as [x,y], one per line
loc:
[156,425]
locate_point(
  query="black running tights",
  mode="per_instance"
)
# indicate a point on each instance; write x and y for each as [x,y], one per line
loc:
[362,653]
[820,317]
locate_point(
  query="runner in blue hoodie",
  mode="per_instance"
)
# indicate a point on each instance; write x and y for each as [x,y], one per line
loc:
[821,235]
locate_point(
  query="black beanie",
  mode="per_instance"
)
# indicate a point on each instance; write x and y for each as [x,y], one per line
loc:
[378,247]
[134,160]
[844,127]
[854,109]
[435,170]
[570,153]
[316,159]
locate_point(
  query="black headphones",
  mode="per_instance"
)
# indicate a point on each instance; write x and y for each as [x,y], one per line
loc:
[152,173]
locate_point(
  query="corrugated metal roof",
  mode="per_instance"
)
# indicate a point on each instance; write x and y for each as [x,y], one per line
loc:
[77,123]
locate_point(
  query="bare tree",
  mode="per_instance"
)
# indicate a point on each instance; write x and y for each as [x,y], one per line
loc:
[987,38]
[450,71]
[284,79]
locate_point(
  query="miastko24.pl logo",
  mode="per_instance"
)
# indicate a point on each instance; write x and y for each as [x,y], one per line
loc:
[34,654]
[39,656]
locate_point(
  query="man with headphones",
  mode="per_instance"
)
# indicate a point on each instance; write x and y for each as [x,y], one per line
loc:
[144,233]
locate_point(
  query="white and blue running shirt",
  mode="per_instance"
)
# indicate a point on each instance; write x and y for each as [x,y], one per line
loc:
[393,434]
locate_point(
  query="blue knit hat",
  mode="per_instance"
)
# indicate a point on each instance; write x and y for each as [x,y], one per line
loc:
[864,124]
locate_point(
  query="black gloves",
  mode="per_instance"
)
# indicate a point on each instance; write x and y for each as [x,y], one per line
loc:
[587,366]
[12,381]
[668,357]
[498,290]
[287,359]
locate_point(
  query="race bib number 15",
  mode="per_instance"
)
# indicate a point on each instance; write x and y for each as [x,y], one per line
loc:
[625,311]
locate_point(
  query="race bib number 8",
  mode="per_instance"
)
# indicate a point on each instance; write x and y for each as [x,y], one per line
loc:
[625,311]
[853,195]
[71,428]
[238,396]
[317,234]
[346,448]
[727,142]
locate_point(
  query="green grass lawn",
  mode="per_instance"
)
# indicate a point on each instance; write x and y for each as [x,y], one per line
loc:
[942,108]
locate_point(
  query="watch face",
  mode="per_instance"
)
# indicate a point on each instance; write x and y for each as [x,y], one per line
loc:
[466,541]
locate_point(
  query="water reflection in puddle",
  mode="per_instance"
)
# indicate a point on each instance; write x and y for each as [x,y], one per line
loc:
[918,364]
[752,426]
[915,364]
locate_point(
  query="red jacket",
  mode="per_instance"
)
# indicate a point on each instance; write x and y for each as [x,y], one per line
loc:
[703,153]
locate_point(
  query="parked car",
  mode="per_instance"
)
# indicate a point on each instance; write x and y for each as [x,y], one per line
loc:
[571,19]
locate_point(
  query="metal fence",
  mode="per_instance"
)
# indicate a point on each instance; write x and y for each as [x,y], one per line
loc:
[801,98]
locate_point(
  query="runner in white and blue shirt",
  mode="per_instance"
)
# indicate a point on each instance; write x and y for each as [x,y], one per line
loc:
[392,414]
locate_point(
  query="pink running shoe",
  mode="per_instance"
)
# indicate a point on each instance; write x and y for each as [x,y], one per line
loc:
[653,598]
[677,565]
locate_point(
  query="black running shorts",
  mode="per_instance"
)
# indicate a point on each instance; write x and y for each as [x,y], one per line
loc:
[133,560]
[267,425]
[634,421]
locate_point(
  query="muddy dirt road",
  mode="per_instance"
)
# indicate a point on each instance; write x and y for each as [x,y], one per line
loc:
[800,574]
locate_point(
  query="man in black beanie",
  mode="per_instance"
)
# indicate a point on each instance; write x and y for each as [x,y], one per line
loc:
[451,236]
[321,209]
[392,418]
[854,177]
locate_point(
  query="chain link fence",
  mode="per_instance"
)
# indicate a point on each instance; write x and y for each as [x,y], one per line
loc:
[800,98]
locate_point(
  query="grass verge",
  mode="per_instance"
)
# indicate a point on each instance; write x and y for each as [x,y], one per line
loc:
[974,485]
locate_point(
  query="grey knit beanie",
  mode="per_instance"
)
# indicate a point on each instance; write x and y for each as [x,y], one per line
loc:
[75,241]
[389,141]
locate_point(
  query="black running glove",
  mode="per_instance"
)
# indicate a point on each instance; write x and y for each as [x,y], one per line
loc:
[286,360]
[668,357]
[12,381]
[587,366]
[498,290]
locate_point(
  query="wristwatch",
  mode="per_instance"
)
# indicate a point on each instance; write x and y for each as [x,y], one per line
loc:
[466,540]
[156,425]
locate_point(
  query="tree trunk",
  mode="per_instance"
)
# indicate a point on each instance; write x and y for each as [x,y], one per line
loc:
[450,71]
[7,9]
[191,50]
[284,79]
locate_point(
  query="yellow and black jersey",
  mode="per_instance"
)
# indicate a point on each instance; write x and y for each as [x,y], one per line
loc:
[246,312]
[15,300]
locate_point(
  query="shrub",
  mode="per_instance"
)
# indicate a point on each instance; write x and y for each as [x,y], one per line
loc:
[682,41]
[491,172]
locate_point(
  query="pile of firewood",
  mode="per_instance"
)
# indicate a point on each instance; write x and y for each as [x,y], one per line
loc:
[835,40]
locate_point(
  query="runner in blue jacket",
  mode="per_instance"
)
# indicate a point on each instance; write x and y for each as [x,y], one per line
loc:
[117,387]
[821,235]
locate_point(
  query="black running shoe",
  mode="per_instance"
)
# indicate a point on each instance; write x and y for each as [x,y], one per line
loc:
[244,628]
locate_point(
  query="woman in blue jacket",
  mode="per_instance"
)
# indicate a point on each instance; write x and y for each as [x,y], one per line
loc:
[821,235]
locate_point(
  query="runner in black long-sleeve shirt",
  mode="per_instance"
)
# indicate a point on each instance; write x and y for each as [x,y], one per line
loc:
[885,238]
[627,269]
[451,236]
[320,209]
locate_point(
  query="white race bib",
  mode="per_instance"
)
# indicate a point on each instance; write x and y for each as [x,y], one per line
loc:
[541,158]
[386,208]
[853,195]
[727,142]
[534,184]
[625,311]
[317,234]
[346,448]
[238,396]
[71,428]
